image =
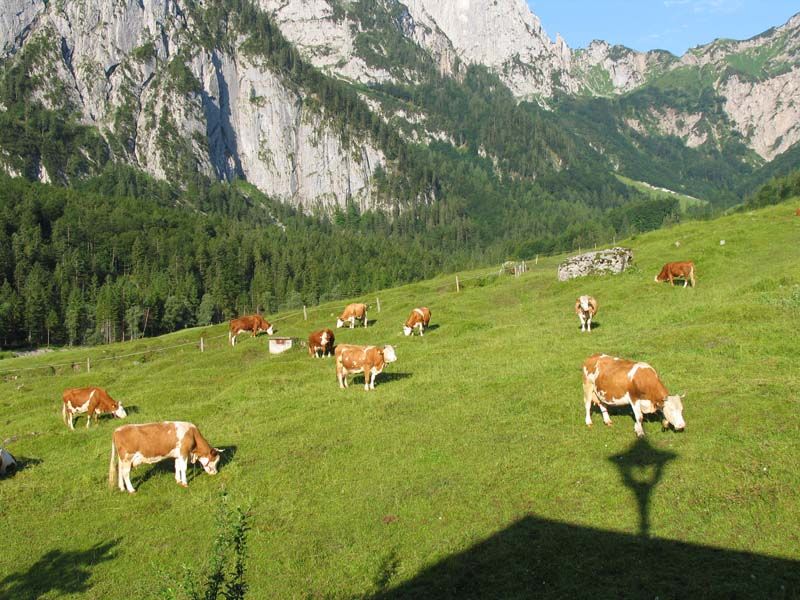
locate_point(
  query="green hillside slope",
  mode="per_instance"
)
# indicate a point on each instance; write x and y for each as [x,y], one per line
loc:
[469,471]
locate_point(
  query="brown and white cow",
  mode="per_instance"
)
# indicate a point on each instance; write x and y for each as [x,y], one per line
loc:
[677,270]
[586,308]
[320,343]
[92,400]
[253,323]
[149,443]
[419,318]
[610,381]
[353,312]
[7,462]
[369,360]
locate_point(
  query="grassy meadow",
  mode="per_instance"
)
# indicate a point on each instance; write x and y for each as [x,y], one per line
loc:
[469,471]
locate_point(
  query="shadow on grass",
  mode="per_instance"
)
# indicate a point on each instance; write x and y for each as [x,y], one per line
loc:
[382,378]
[58,571]
[541,558]
[23,463]
[595,325]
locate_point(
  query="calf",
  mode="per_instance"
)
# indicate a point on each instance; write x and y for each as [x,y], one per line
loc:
[677,270]
[586,308]
[133,445]
[369,360]
[609,381]
[419,318]
[352,313]
[7,462]
[91,400]
[252,323]
[320,342]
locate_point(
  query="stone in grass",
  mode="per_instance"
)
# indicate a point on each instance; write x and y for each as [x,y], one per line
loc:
[601,262]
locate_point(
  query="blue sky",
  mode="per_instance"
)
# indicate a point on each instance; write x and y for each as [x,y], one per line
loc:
[674,25]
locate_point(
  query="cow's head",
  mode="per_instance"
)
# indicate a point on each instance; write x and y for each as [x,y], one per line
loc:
[339,323]
[209,461]
[120,412]
[673,412]
[584,302]
[407,330]
[388,354]
[270,329]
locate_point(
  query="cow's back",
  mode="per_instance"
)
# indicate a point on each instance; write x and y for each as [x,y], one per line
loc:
[615,377]
[149,439]
[350,355]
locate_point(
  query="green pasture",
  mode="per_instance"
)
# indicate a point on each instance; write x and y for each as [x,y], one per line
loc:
[685,201]
[469,471]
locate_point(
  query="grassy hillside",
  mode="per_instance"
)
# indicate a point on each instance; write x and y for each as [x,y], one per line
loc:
[469,471]
[653,192]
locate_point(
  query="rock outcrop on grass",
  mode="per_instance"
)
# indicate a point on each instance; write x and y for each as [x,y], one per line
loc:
[601,262]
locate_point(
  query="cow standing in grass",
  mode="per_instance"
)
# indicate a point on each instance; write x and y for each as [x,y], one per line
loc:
[352,313]
[586,308]
[369,360]
[253,323]
[91,400]
[419,318]
[677,270]
[609,381]
[320,343]
[149,443]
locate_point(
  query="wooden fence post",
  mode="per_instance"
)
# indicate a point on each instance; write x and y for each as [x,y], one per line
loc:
[305,313]
[458,287]
[88,365]
[378,302]
[537,259]
[202,345]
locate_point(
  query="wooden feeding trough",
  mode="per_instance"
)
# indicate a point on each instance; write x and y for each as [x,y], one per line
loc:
[277,345]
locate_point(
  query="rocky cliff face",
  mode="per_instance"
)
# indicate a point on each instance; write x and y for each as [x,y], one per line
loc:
[136,71]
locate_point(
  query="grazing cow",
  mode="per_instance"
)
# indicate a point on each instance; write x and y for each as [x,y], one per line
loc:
[352,313]
[7,462]
[320,342]
[133,445]
[609,381]
[419,318]
[677,270]
[369,360]
[92,400]
[586,308]
[253,323]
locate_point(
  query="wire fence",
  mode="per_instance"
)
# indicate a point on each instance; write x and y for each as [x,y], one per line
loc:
[516,268]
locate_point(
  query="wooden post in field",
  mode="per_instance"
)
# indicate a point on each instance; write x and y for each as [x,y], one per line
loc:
[88,365]
[305,313]
[378,302]
[458,287]
[537,259]
[202,345]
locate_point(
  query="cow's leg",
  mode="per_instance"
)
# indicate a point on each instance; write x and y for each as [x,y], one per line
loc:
[587,399]
[589,323]
[341,376]
[685,282]
[365,318]
[125,473]
[180,471]
[637,415]
[583,321]
[421,328]
[71,417]
[369,379]
[604,411]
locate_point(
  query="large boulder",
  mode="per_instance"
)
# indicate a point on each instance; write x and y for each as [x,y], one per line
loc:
[613,260]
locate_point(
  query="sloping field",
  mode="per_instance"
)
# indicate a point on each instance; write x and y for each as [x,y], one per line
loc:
[469,471]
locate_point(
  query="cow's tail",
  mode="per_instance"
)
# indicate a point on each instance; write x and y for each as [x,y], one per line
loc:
[64,413]
[691,276]
[112,466]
